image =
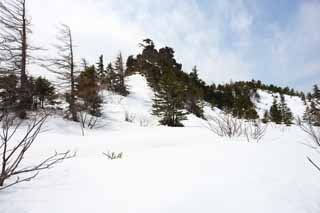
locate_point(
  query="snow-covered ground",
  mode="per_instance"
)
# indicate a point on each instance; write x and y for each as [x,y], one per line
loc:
[172,170]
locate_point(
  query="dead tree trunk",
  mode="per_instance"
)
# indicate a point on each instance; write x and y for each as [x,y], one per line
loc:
[15,50]
[64,66]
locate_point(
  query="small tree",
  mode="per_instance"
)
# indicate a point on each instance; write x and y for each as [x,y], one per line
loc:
[286,114]
[8,92]
[266,117]
[275,113]
[168,103]
[119,84]
[88,92]
[44,91]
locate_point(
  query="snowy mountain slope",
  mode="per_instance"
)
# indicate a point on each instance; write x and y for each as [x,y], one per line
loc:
[295,103]
[173,170]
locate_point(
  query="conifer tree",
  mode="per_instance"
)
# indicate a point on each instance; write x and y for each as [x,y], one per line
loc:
[118,79]
[286,114]
[8,92]
[266,117]
[313,112]
[168,102]
[43,91]
[194,94]
[275,112]
[88,92]
[100,69]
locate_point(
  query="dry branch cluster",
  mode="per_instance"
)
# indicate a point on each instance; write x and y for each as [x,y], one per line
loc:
[14,148]
[314,134]
[225,125]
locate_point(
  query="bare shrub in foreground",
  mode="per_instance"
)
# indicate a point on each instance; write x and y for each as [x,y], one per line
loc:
[88,121]
[225,125]
[14,148]
[314,134]
[255,130]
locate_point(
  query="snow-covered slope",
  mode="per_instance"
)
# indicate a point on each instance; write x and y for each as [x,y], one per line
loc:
[266,99]
[172,170]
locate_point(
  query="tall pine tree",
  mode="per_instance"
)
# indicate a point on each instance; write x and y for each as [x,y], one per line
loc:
[118,81]
[168,102]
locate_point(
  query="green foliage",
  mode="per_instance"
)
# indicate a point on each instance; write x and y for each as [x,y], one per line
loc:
[280,112]
[168,102]
[118,77]
[312,114]
[88,92]
[275,113]
[286,114]
[266,117]
[43,91]
[8,91]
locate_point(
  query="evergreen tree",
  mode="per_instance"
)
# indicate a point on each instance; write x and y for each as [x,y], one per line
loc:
[100,69]
[119,78]
[168,102]
[194,94]
[266,117]
[43,91]
[313,112]
[88,92]
[8,92]
[286,114]
[275,113]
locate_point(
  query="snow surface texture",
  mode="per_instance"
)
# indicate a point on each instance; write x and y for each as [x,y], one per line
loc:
[172,170]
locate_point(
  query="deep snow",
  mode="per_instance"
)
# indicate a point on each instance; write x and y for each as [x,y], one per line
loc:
[165,169]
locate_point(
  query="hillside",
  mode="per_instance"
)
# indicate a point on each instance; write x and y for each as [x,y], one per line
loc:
[167,169]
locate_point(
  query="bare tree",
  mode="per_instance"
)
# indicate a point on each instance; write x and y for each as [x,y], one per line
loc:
[314,134]
[15,48]
[14,148]
[64,66]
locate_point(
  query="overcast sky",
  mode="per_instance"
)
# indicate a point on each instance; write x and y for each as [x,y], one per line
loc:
[277,41]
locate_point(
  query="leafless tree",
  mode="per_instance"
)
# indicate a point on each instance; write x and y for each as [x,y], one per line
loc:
[15,48]
[64,66]
[314,134]
[13,149]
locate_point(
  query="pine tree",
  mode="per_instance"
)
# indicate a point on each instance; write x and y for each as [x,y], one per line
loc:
[286,114]
[88,92]
[275,112]
[168,102]
[194,94]
[313,112]
[266,117]
[8,92]
[100,69]
[119,78]
[43,91]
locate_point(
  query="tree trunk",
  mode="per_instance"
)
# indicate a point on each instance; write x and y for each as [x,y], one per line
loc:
[72,93]
[24,93]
